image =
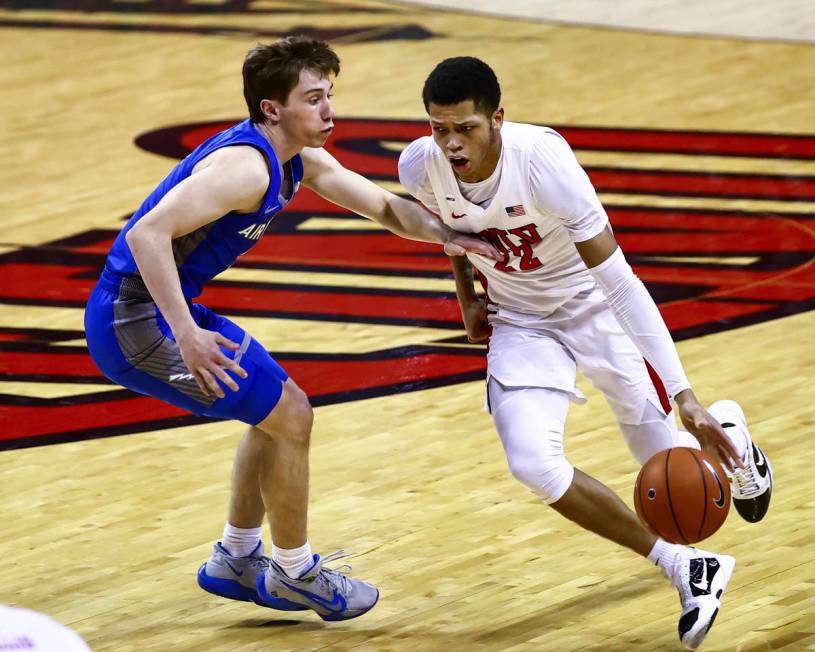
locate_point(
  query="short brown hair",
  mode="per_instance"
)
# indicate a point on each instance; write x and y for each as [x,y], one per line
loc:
[271,71]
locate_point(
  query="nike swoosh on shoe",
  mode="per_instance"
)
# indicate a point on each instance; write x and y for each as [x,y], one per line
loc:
[234,570]
[337,604]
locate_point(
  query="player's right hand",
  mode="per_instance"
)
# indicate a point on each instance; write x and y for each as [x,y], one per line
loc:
[201,351]
[701,424]
[474,316]
[459,244]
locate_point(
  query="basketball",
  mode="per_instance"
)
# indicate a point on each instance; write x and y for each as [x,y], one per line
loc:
[682,495]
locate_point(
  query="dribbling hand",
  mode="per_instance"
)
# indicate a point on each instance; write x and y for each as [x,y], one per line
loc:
[200,349]
[706,429]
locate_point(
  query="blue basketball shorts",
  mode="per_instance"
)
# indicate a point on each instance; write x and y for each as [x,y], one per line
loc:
[131,343]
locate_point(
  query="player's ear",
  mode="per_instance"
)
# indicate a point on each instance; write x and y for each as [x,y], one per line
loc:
[498,118]
[271,109]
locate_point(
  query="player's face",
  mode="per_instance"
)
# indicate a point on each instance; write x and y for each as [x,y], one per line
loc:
[308,116]
[470,140]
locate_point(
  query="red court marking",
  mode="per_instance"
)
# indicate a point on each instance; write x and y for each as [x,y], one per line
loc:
[781,241]
[52,364]
[356,304]
[689,142]
[25,421]
[11,337]
[316,377]
[694,312]
[707,184]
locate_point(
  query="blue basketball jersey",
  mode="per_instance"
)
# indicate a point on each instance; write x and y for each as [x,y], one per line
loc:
[209,250]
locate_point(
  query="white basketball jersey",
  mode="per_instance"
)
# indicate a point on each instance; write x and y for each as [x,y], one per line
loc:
[543,204]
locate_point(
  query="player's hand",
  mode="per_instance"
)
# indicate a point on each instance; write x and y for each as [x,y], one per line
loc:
[701,424]
[460,243]
[201,351]
[474,316]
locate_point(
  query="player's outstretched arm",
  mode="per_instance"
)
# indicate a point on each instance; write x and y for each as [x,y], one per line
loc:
[230,179]
[473,307]
[640,318]
[325,176]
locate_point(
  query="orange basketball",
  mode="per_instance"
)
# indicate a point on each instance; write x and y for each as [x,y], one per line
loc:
[682,495]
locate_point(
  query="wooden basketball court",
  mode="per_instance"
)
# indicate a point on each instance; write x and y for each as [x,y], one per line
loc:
[702,149]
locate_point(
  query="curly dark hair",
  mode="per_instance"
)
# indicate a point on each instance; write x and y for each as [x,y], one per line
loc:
[270,72]
[460,79]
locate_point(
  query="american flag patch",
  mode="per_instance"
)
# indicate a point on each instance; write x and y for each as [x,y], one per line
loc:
[515,211]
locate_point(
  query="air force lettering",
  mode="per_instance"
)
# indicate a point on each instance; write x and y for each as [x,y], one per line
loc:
[542,203]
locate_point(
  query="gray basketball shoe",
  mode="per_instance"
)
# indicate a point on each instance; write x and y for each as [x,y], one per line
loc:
[752,486]
[236,577]
[331,594]
[701,580]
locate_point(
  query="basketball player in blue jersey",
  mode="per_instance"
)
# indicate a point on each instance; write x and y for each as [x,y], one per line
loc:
[145,333]
[563,298]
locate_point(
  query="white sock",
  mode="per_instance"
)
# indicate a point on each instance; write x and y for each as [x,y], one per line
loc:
[240,542]
[665,555]
[294,561]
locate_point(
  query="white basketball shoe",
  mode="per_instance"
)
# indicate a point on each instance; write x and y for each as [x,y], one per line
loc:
[701,580]
[752,486]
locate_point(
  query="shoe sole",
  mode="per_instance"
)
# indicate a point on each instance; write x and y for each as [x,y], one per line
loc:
[331,617]
[233,590]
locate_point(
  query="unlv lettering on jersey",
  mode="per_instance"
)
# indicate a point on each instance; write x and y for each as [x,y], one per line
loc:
[513,244]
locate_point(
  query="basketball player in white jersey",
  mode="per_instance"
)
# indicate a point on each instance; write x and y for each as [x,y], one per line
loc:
[563,298]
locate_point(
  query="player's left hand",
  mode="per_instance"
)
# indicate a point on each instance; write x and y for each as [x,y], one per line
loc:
[701,424]
[460,243]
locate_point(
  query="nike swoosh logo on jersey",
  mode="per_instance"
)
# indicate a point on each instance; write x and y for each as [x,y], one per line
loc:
[336,605]
[456,217]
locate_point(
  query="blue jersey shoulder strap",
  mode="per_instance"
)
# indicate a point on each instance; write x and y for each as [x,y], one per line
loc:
[209,250]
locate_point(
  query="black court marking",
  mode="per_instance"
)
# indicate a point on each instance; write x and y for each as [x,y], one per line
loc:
[193,7]
[354,35]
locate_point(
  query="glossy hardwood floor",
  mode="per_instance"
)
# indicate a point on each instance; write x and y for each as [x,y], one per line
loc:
[106,534]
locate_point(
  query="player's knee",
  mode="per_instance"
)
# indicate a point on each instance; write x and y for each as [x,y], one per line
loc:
[292,417]
[547,475]
[300,415]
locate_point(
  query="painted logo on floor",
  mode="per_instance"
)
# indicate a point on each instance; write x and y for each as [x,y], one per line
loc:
[718,250]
